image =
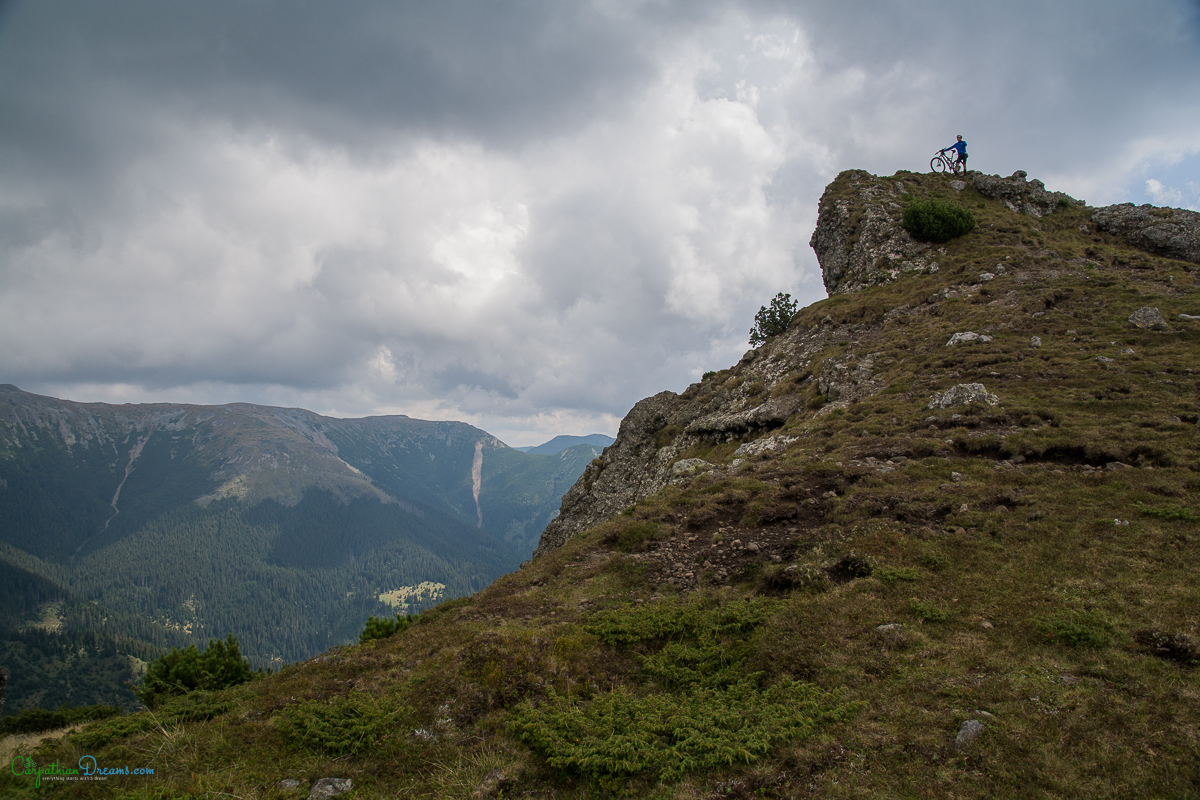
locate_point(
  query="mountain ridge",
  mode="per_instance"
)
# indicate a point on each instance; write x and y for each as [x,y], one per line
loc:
[159,524]
[933,540]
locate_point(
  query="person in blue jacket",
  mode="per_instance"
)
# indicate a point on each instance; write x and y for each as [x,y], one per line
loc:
[960,148]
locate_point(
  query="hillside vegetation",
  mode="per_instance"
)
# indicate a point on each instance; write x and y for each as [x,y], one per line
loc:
[823,572]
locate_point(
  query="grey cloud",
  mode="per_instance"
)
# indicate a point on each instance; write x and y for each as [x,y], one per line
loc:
[531,214]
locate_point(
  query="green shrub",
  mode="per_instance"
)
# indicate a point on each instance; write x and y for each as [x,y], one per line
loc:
[220,666]
[1174,513]
[1078,629]
[339,726]
[700,708]
[928,612]
[382,627]
[890,575]
[620,734]
[937,221]
[628,535]
[101,733]
[35,720]
[774,319]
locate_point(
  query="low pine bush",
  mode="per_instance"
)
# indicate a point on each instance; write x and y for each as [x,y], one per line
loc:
[382,627]
[699,707]
[342,725]
[220,666]
[937,221]
[35,720]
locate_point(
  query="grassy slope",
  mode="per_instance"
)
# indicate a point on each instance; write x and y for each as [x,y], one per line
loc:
[991,542]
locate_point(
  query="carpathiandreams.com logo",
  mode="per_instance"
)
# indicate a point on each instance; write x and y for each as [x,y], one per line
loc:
[87,770]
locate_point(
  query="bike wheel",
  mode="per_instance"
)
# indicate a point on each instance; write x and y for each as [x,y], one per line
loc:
[938,164]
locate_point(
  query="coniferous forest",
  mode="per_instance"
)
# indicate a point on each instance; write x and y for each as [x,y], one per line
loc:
[129,530]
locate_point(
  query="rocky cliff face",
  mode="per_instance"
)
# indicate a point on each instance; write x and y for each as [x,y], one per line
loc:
[829,359]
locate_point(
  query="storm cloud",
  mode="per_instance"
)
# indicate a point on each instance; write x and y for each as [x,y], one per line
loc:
[524,215]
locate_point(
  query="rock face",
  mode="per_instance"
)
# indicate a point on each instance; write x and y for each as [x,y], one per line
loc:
[756,397]
[858,239]
[1021,195]
[1170,232]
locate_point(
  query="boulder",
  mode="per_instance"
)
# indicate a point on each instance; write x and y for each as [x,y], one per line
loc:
[963,394]
[1148,319]
[968,732]
[326,788]
[1170,232]
[968,337]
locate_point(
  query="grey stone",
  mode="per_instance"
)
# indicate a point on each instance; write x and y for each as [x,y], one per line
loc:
[688,467]
[1025,197]
[964,394]
[765,445]
[984,277]
[290,783]
[1189,317]
[958,186]
[969,337]
[329,787]
[1170,232]
[1149,319]
[1035,341]
[968,732]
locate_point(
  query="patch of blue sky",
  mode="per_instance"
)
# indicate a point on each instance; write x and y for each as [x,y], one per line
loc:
[1168,183]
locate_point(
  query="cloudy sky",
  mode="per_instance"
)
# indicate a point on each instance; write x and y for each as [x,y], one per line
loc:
[525,215]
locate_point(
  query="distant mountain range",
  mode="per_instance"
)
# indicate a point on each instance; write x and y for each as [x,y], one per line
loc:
[128,528]
[560,443]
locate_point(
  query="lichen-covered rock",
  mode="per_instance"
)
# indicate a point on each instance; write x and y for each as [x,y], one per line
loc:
[1170,232]
[858,240]
[329,787]
[963,394]
[969,337]
[968,732]
[1021,195]
[1148,319]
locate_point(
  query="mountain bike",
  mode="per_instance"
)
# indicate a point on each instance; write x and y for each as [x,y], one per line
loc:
[945,162]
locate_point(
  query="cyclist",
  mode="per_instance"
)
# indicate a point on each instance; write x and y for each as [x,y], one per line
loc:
[960,150]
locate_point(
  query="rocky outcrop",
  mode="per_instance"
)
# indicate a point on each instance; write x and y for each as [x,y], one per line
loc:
[812,369]
[621,476]
[1170,232]
[757,397]
[858,239]
[1021,195]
